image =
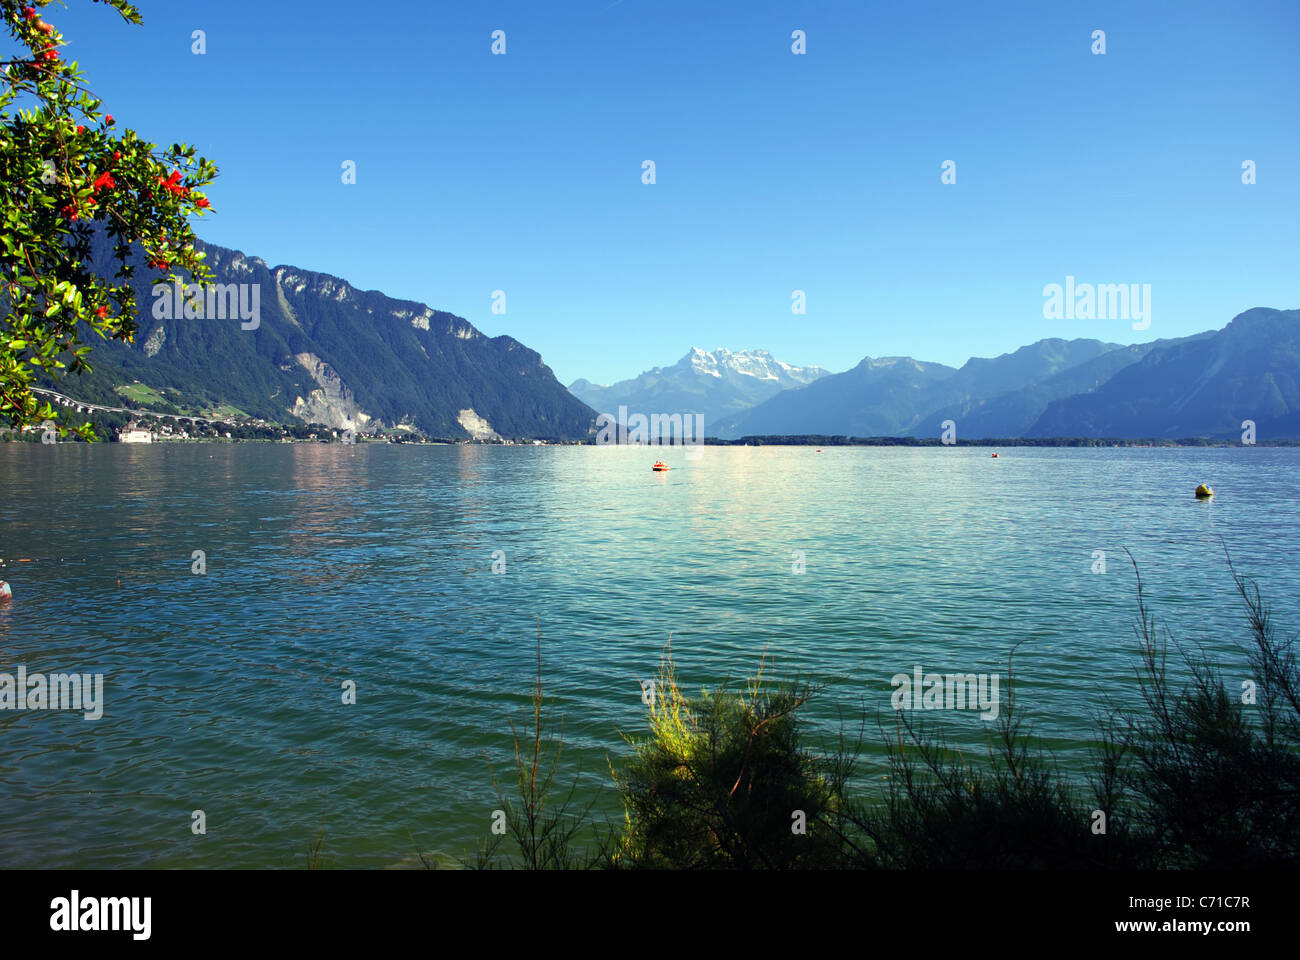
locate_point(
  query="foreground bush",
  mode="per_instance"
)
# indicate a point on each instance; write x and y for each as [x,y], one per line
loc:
[543,828]
[723,781]
[1215,770]
[1013,810]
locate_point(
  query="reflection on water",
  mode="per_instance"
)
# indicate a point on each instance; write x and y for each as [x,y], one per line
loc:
[373,564]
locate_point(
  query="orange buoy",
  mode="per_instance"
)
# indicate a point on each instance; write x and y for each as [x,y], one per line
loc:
[995,455]
[660,465]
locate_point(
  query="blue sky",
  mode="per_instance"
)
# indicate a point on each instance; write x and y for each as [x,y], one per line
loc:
[775,172]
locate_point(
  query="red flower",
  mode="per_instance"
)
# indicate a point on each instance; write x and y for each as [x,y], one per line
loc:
[173,184]
[105,180]
[202,202]
[109,119]
[102,312]
[70,212]
[80,129]
[50,54]
[29,13]
[117,155]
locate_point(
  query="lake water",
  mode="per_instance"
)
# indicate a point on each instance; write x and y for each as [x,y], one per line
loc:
[373,563]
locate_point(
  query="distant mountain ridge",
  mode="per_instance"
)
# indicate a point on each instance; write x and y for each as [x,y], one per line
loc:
[900,396]
[874,398]
[717,384]
[324,351]
[1205,385]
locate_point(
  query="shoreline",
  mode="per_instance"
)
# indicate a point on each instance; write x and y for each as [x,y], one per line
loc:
[794,441]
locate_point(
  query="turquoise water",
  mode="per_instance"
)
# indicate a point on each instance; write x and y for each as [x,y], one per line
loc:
[373,563]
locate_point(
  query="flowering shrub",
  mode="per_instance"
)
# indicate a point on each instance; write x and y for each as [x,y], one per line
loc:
[64,173]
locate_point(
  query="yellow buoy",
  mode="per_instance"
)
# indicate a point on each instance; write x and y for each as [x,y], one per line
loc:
[1204,491]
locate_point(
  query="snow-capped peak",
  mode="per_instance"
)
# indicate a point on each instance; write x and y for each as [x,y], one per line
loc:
[759,364]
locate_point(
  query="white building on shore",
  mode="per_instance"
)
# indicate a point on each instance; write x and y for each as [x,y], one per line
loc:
[135,434]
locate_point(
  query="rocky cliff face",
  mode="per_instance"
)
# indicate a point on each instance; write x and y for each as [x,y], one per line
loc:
[332,404]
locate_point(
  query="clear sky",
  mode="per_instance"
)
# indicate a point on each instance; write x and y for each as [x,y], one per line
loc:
[775,172]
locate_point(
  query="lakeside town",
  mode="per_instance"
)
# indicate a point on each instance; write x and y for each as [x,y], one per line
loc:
[128,425]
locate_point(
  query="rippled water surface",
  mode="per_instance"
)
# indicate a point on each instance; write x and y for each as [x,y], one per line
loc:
[373,563]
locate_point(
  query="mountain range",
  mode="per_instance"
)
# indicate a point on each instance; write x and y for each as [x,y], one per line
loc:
[719,384]
[1198,386]
[900,396]
[1203,385]
[323,351]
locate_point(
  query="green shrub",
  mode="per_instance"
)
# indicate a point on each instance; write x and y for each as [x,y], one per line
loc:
[544,828]
[723,781]
[1216,774]
[1014,811]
